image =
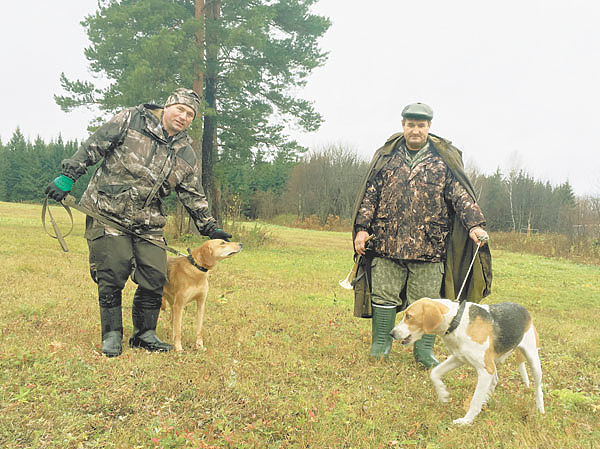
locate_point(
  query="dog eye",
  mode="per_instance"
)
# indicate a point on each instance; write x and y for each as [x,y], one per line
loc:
[407,316]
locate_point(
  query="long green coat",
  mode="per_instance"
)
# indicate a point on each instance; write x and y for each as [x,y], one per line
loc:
[460,247]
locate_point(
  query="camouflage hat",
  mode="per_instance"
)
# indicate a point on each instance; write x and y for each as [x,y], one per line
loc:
[184,96]
[418,111]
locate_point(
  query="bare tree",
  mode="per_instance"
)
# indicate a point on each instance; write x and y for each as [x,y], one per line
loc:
[326,182]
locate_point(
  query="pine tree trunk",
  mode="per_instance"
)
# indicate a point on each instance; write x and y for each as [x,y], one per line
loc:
[209,133]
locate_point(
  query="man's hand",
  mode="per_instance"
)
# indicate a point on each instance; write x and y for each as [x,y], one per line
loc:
[59,188]
[478,235]
[219,234]
[360,241]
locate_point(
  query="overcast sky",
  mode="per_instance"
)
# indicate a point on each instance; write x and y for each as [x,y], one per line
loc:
[514,84]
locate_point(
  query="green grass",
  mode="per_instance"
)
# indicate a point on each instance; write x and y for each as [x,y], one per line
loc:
[286,364]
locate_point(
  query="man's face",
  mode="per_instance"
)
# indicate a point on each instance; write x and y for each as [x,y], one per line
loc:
[415,132]
[176,118]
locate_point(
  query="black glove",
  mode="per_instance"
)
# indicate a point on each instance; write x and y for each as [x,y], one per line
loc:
[219,234]
[59,188]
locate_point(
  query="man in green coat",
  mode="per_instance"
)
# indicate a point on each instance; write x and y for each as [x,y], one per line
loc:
[418,211]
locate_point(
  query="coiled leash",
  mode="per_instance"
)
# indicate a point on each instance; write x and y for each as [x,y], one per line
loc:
[57,234]
[70,201]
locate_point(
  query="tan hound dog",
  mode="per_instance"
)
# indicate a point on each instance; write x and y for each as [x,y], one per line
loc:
[480,335]
[187,281]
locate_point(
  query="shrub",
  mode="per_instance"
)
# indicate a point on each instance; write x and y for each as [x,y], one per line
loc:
[578,249]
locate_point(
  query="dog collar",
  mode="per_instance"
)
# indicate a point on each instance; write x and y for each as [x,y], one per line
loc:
[193,262]
[456,320]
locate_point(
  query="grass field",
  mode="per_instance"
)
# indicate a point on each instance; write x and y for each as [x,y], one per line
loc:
[286,364]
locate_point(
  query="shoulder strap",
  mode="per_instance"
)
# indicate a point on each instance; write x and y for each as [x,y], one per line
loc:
[164,172]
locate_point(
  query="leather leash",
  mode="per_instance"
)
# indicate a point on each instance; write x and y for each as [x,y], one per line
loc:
[70,201]
[57,234]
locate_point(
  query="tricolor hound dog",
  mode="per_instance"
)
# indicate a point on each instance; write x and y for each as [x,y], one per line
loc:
[480,335]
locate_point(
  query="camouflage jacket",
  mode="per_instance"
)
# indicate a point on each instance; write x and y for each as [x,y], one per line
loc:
[409,207]
[139,168]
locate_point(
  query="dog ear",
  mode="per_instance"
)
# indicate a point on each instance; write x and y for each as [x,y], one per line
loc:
[432,317]
[206,252]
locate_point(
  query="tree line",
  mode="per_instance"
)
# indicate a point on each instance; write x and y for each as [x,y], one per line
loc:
[517,202]
[322,184]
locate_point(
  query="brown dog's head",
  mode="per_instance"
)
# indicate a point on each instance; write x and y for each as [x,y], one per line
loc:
[422,317]
[213,251]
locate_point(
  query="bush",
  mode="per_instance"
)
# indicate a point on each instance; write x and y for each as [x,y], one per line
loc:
[251,234]
[332,223]
[577,249]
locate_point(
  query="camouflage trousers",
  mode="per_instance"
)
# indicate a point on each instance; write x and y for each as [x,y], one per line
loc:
[402,282]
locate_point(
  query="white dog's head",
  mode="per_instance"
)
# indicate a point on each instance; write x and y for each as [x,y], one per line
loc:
[422,317]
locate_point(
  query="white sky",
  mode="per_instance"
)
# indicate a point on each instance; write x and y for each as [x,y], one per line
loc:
[513,83]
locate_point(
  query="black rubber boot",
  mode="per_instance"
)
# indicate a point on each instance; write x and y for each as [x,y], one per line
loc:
[144,314]
[111,322]
[383,322]
[423,351]
[112,331]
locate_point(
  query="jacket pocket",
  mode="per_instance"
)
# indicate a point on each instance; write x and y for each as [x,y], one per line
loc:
[149,218]
[113,198]
[437,233]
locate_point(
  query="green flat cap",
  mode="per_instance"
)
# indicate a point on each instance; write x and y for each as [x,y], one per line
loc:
[418,111]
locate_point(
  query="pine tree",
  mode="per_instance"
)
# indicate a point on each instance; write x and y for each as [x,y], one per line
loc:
[254,54]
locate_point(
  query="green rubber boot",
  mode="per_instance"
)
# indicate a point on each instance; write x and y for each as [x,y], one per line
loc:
[423,351]
[383,322]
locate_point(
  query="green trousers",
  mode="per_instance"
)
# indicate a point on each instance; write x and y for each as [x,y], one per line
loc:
[389,278]
[397,284]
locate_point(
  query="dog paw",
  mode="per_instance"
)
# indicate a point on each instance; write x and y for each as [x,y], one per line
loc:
[200,347]
[463,422]
[443,395]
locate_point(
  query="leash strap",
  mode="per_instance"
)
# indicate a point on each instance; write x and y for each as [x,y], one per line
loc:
[57,234]
[461,309]
[69,201]
[468,271]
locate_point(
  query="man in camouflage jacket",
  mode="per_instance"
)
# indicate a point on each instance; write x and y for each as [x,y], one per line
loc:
[414,194]
[146,153]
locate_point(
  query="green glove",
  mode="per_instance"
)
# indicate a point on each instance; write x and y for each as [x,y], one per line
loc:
[220,234]
[59,188]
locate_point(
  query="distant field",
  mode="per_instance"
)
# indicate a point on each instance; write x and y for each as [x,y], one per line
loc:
[286,365]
